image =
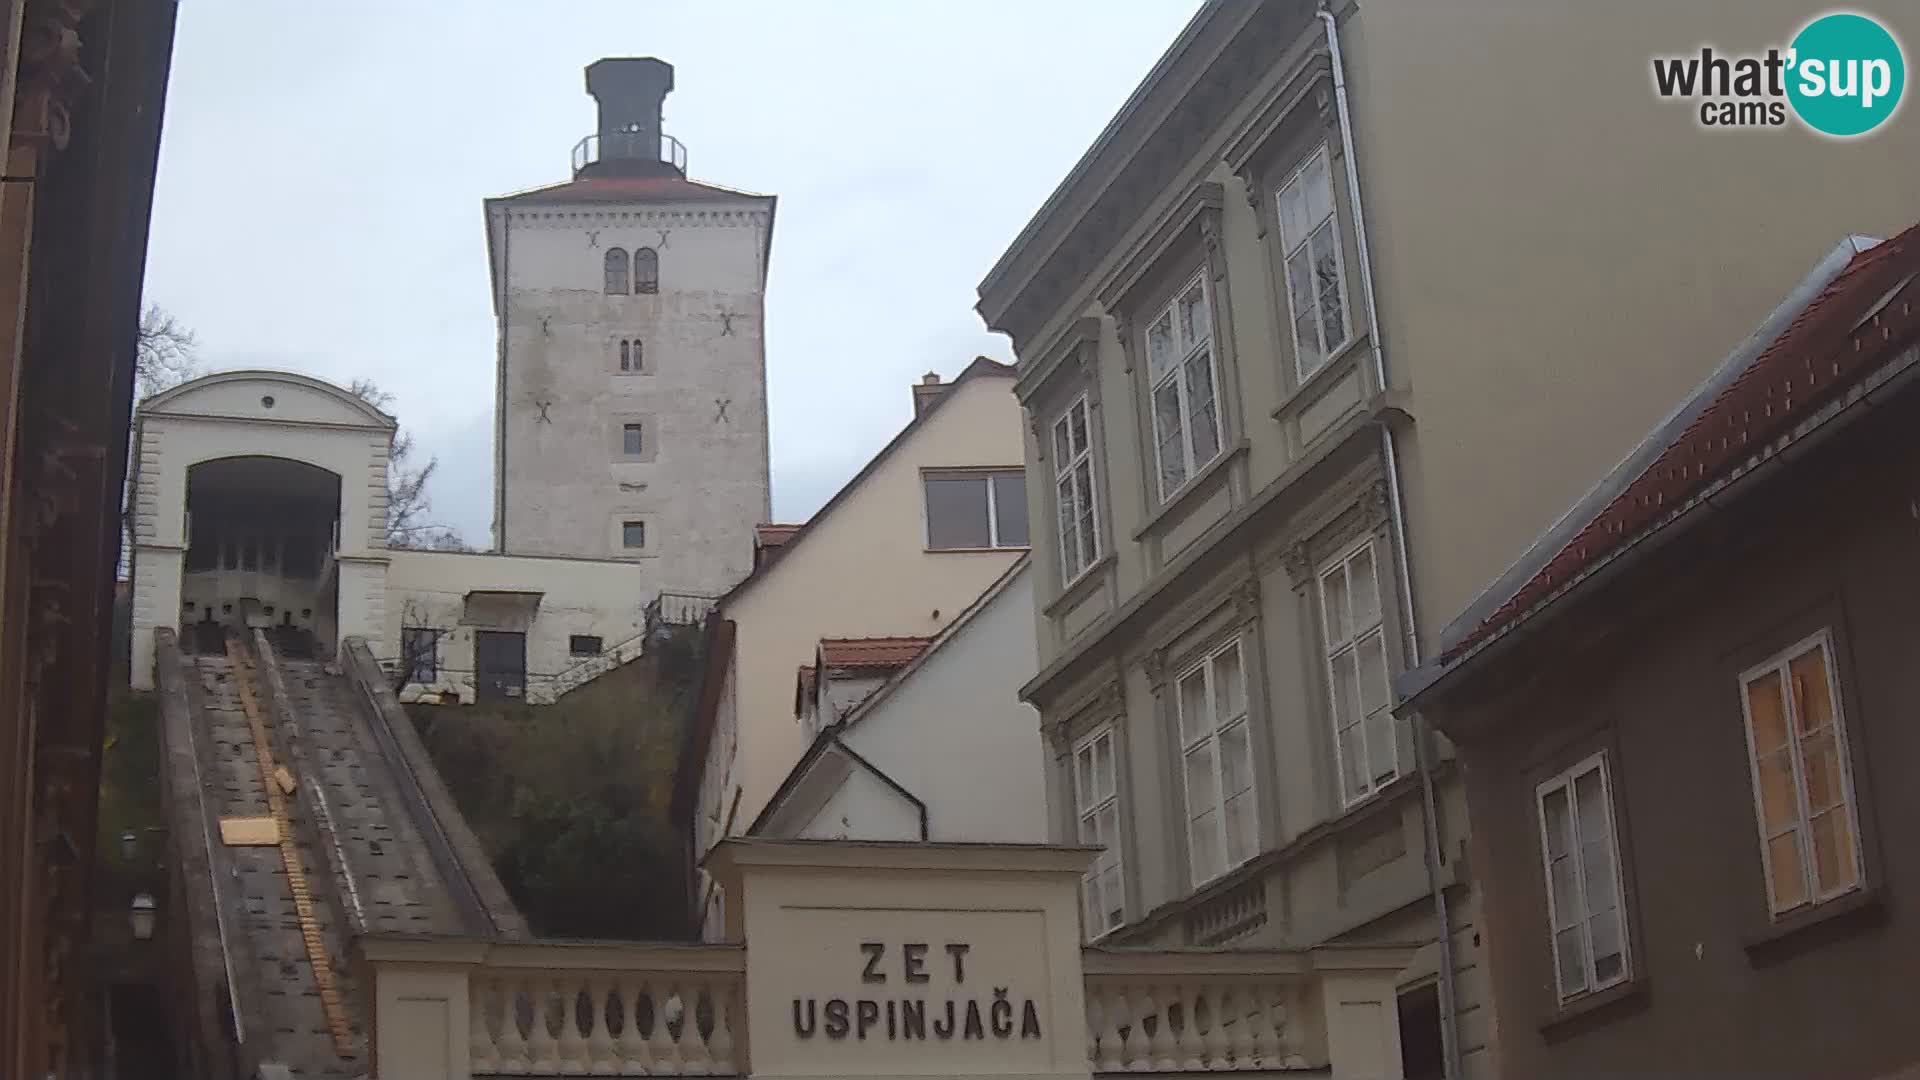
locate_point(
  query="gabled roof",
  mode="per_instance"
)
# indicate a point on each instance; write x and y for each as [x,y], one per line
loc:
[166,400]
[829,736]
[1807,354]
[981,367]
[882,653]
[772,536]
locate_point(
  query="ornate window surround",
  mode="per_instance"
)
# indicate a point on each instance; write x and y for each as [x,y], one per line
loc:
[1354,510]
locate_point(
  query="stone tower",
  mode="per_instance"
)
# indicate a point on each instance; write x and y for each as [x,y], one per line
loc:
[631,417]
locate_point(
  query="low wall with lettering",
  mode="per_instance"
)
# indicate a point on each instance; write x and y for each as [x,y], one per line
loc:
[903,960]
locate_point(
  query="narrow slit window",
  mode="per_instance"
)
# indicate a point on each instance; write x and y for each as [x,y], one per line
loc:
[632,441]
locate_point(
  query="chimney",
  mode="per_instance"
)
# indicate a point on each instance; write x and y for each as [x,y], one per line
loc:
[926,393]
[629,91]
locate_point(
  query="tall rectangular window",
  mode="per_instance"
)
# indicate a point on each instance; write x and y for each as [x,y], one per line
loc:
[633,534]
[1096,796]
[1180,368]
[1585,909]
[1357,676]
[970,510]
[420,653]
[1310,241]
[631,442]
[1217,763]
[1073,488]
[1802,778]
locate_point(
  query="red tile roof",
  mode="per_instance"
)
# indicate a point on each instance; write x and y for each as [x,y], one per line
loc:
[1825,350]
[876,652]
[630,189]
[772,536]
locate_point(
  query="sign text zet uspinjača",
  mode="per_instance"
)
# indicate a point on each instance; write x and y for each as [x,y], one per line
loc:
[961,1014]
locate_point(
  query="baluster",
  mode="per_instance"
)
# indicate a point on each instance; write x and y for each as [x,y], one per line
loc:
[481,1055]
[1160,1001]
[666,1061]
[693,1046]
[1112,1019]
[721,1044]
[1187,1040]
[1266,1046]
[634,1058]
[573,1048]
[542,1050]
[513,1045]
[1134,1046]
[601,1059]
[1094,1014]
[1220,1005]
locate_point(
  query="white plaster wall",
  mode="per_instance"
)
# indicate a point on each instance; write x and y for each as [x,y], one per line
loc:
[864,808]
[702,483]
[226,415]
[605,598]
[955,733]
[863,570]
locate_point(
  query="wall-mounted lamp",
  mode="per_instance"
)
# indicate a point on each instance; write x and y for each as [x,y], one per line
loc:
[141,916]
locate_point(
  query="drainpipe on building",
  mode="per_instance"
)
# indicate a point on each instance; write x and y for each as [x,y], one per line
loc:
[1422,750]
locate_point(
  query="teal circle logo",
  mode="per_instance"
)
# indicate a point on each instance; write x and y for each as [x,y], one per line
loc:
[1846,75]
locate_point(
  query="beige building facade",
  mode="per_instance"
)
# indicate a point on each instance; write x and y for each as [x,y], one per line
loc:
[899,553]
[1325,327]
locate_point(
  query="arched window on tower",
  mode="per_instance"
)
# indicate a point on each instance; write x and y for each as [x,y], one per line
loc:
[646,271]
[616,272]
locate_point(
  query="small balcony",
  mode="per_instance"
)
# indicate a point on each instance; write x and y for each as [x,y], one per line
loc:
[629,153]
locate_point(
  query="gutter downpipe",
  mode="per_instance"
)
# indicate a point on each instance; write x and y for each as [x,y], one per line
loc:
[1422,731]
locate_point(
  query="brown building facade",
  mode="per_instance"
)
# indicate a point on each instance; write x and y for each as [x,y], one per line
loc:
[82,86]
[1686,720]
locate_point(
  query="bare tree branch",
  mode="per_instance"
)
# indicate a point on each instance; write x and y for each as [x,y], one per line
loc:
[166,355]
[407,502]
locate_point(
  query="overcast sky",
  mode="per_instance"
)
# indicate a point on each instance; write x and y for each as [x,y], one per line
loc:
[323,166]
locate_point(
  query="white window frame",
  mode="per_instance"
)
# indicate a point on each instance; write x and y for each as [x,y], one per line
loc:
[1216,729]
[1068,510]
[1328,349]
[1088,806]
[993,504]
[1778,665]
[1183,353]
[1332,651]
[1564,781]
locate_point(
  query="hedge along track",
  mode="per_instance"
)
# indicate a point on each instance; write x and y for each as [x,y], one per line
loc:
[330,1004]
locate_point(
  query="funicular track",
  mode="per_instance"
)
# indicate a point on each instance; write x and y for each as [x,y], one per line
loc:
[359,843]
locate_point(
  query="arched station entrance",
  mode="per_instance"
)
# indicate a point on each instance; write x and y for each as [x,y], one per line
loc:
[261,533]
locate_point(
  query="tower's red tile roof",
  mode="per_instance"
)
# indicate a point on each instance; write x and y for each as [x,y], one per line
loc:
[629,189]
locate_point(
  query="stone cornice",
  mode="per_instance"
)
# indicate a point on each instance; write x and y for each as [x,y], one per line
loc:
[1071,350]
[1075,232]
[1200,206]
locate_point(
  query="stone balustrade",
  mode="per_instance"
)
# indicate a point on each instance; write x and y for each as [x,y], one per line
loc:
[624,1009]
[560,1008]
